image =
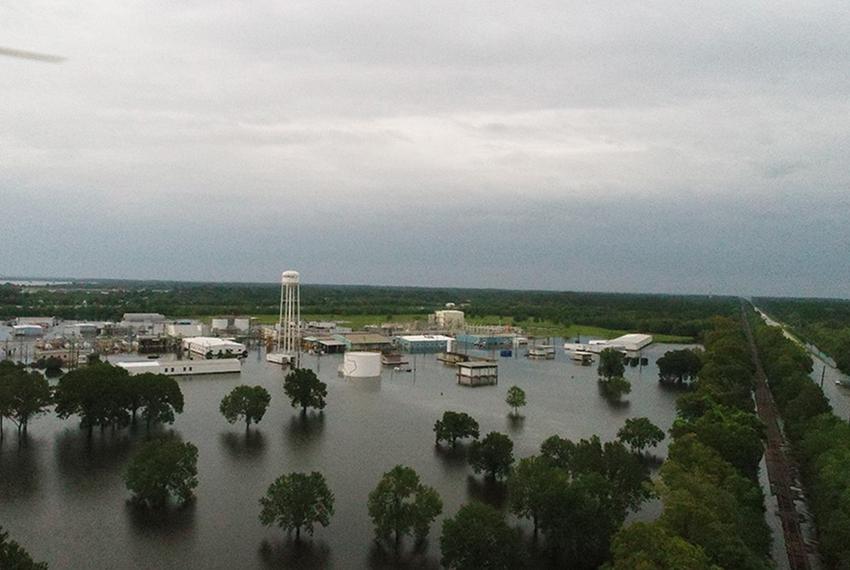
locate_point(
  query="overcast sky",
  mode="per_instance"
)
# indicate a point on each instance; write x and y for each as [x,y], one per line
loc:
[656,146]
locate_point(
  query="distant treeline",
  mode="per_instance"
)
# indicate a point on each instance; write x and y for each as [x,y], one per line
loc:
[822,322]
[665,314]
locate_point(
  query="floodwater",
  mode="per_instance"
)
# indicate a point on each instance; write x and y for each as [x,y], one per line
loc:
[63,498]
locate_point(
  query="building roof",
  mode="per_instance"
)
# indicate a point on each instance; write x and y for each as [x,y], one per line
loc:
[133,317]
[477,364]
[633,338]
[208,342]
[425,337]
[366,338]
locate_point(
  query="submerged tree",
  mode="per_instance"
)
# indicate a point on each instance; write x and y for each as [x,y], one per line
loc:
[23,395]
[529,485]
[14,557]
[611,370]
[245,402]
[454,426]
[515,398]
[401,504]
[297,500]
[162,468]
[493,455]
[478,537]
[679,365]
[639,434]
[96,394]
[305,390]
[159,397]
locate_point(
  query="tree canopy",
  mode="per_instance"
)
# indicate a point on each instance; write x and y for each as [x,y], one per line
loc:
[23,395]
[305,390]
[515,398]
[640,434]
[248,403]
[401,504]
[679,365]
[478,537]
[493,455]
[650,546]
[14,557]
[96,394]
[162,468]
[611,369]
[454,426]
[297,500]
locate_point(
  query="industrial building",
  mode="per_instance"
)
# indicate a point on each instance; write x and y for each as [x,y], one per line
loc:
[186,328]
[367,342]
[487,341]
[361,365]
[144,323]
[214,347]
[43,322]
[628,342]
[449,319]
[231,325]
[424,343]
[27,330]
[183,367]
[477,373]
[323,344]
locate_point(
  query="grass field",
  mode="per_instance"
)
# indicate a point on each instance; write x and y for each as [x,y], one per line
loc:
[537,328]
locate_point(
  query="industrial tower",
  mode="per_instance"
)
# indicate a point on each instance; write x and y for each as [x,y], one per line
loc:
[288,340]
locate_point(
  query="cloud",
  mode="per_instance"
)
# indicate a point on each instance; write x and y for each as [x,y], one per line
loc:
[587,146]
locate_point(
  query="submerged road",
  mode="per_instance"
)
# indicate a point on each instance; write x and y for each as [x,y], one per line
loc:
[781,471]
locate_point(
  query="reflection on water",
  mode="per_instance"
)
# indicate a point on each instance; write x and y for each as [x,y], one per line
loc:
[288,553]
[412,556]
[246,445]
[64,498]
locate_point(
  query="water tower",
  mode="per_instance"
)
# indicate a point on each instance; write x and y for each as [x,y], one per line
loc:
[288,340]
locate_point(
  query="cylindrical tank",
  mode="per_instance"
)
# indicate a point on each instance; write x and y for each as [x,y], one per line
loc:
[289,277]
[361,364]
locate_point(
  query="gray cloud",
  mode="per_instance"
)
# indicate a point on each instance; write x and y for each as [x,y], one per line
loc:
[666,146]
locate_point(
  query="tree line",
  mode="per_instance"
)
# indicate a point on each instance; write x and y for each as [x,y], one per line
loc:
[713,513]
[820,439]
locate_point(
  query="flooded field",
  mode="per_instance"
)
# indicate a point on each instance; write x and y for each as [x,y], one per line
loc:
[63,497]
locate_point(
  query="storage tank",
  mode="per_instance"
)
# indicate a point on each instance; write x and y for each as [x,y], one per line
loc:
[219,324]
[361,364]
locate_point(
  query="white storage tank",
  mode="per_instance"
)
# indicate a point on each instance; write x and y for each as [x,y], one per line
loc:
[361,364]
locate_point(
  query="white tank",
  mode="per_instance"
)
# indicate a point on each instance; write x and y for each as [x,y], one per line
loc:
[361,364]
[290,277]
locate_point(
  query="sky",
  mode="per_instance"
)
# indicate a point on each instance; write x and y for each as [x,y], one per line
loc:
[657,146]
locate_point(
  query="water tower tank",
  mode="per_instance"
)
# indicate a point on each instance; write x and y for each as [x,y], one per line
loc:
[361,364]
[290,277]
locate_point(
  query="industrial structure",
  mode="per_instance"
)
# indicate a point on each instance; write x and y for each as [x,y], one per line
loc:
[477,373]
[361,365]
[214,347]
[288,338]
[627,343]
[425,343]
[183,367]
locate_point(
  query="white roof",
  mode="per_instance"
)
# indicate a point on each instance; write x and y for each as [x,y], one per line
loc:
[631,338]
[213,342]
[425,337]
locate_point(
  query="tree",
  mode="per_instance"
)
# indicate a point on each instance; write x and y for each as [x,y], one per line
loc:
[493,455]
[515,398]
[454,426]
[611,370]
[23,395]
[97,394]
[401,504]
[297,500]
[304,389]
[639,434]
[679,365]
[478,538]
[247,402]
[610,364]
[528,485]
[650,546]
[160,398]
[161,468]
[14,557]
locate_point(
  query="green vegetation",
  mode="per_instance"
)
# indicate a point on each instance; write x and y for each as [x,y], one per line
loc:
[515,398]
[162,468]
[679,366]
[401,504]
[298,500]
[23,395]
[305,390]
[821,440]
[478,537]
[103,395]
[454,426]
[14,557]
[669,317]
[248,403]
[640,434]
[822,322]
[713,505]
[611,369]
[493,455]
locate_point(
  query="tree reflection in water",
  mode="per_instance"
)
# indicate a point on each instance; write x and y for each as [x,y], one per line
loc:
[288,553]
[244,446]
[412,556]
[493,493]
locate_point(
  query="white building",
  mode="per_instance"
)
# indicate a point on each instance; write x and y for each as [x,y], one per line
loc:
[628,342]
[232,325]
[214,347]
[43,322]
[144,323]
[449,319]
[183,367]
[476,373]
[27,330]
[185,329]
